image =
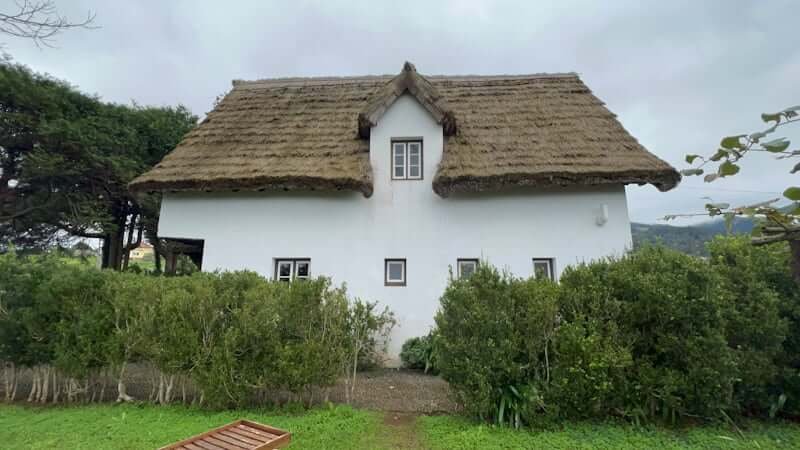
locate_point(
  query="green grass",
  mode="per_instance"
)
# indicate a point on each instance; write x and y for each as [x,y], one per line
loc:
[341,427]
[149,427]
[443,432]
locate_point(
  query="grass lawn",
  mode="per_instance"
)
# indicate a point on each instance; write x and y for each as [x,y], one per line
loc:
[148,427]
[443,432]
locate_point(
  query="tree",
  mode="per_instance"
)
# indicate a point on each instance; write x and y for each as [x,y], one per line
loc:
[38,20]
[67,158]
[776,224]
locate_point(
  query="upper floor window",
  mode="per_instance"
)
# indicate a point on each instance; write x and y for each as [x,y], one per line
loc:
[466,267]
[543,268]
[292,269]
[406,160]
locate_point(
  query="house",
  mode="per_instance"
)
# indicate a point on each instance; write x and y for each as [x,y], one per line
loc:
[143,251]
[389,182]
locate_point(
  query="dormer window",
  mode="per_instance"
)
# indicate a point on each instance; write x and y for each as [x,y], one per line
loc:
[406,159]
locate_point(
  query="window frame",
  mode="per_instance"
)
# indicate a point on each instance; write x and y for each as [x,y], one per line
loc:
[459,261]
[386,280]
[292,271]
[407,158]
[551,267]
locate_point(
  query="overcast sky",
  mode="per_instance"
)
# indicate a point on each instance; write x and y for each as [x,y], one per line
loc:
[679,74]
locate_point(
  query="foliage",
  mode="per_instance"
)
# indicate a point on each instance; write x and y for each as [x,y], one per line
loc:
[66,159]
[763,323]
[493,337]
[775,224]
[232,334]
[690,239]
[417,353]
[654,335]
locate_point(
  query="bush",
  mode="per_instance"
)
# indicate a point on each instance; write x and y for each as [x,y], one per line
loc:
[417,353]
[665,309]
[232,334]
[763,326]
[493,337]
[653,335]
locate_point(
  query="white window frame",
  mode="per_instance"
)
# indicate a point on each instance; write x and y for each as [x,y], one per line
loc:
[398,281]
[551,270]
[293,272]
[404,146]
[460,261]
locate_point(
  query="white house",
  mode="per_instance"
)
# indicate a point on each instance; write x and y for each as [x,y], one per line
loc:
[388,183]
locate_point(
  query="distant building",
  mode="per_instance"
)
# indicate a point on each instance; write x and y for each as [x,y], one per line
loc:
[143,251]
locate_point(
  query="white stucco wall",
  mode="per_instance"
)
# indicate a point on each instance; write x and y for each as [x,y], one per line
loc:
[347,236]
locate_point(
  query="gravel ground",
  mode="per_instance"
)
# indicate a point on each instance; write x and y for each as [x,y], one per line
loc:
[396,390]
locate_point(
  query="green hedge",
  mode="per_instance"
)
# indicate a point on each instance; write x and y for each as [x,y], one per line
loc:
[232,334]
[653,335]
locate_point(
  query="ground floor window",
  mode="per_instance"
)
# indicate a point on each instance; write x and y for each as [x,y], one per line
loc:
[288,269]
[395,272]
[466,267]
[543,268]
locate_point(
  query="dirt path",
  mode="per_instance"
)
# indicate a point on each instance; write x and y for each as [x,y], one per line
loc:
[401,431]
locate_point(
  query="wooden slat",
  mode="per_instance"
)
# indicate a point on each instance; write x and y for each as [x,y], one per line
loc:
[207,445]
[261,437]
[234,443]
[246,440]
[219,443]
[191,446]
[256,431]
[267,428]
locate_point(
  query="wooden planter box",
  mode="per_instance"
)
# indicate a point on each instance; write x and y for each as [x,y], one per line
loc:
[239,435]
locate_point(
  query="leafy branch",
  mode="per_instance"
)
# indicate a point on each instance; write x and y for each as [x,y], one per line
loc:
[778,224]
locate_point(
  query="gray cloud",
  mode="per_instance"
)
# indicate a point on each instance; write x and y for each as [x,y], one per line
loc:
[679,74]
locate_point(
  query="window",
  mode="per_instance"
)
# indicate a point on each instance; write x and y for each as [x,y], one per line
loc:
[467,267]
[543,268]
[395,272]
[288,269]
[407,160]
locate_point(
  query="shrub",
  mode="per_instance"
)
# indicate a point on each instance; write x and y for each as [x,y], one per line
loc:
[666,309]
[417,353]
[232,334]
[493,337]
[762,321]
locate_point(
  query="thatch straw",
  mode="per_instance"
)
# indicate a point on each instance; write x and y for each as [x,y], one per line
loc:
[311,133]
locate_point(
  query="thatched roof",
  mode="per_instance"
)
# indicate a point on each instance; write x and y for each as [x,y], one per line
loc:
[500,131]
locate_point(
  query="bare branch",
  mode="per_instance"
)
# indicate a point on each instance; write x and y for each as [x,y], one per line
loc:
[39,21]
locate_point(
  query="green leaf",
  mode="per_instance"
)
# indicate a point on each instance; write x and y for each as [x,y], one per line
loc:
[732,142]
[793,193]
[710,177]
[776,145]
[690,172]
[721,153]
[796,168]
[720,205]
[727,169]
[774,117]
[690,158]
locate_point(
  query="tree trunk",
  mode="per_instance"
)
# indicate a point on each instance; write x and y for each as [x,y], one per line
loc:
[112,250]
[794,247]
[122,395]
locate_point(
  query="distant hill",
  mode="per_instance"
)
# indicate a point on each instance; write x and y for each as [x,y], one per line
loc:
[689,239]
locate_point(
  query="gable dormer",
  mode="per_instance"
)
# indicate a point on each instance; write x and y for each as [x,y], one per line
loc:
[408,81]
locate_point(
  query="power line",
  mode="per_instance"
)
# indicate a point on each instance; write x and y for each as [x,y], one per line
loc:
[702,188]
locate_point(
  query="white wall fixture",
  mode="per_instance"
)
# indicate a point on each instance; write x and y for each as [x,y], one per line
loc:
[602,215]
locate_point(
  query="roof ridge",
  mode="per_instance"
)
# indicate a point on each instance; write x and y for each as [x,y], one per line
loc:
[332,80]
